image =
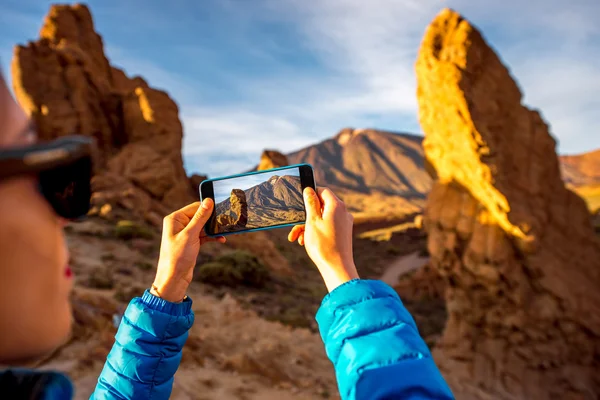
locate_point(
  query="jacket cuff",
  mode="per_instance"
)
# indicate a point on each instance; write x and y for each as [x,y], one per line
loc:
[352,293]
[176,309]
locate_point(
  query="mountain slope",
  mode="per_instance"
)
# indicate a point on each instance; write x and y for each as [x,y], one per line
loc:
[581,172]
[375,172]
[278,200]
[581,169]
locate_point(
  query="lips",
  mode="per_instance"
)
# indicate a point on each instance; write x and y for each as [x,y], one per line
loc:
[68,272]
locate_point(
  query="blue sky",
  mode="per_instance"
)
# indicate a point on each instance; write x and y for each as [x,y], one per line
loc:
[283,74]
[222,189]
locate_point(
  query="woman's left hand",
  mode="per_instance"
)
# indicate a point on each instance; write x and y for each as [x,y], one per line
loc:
[183,235]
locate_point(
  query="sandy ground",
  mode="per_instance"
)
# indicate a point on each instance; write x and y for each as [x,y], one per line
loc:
[401,266]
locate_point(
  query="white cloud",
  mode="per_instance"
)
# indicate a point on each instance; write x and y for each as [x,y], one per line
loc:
[369,50]
[224,141]
[551,46]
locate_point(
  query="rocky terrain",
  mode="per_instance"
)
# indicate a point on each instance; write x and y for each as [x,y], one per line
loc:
[255,297]
[507,291]
[67,85]
[515,247]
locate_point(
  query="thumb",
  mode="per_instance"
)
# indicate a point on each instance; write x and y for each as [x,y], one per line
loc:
[312,204]
[200,217]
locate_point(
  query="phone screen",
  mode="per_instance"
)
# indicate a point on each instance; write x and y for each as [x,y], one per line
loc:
[258,200]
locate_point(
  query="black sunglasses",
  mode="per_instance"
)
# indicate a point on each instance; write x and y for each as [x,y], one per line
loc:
[64,168]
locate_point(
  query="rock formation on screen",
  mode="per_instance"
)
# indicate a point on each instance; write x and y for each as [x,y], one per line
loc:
[272,159]
[517,249]
[237,216]
[239,206]
[67,85]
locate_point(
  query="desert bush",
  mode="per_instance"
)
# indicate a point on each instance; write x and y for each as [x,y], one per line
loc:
[131,230]
[144,265]
[235,268]
[294,317]
[126,292]
[108,257]
[100,278]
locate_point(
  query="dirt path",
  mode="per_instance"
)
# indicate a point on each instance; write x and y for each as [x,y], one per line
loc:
[401,266]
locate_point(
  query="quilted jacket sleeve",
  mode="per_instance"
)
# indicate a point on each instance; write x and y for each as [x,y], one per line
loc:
[375,346]
[147,350]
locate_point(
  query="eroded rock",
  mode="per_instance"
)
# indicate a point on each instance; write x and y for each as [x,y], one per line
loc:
[516,248]
[65,82]
[236,217]
[272,159]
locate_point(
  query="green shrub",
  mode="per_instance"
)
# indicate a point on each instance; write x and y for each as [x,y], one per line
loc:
[293,317]
[101,278]
[124,293]
[130,230]
[233,269]
[144,265]
[108,257]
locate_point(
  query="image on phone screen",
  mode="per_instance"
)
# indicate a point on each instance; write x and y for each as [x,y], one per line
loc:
[258,200]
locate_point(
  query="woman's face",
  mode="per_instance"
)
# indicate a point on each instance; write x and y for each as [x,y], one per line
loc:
[35,279]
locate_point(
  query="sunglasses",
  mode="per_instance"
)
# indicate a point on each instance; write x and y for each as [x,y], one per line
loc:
[64,169]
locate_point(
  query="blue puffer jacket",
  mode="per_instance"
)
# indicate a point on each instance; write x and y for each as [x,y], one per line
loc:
[369,336]
[375,347]
[141,364]
[147,350]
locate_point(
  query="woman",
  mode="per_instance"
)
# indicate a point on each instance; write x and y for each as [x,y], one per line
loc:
[369,336]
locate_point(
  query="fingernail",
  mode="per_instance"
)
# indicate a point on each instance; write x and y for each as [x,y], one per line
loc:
[205,203]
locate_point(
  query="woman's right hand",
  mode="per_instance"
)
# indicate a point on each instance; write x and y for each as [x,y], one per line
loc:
[327,236]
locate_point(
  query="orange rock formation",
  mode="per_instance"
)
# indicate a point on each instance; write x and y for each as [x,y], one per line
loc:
[272,159]
[516,248]
[68,86]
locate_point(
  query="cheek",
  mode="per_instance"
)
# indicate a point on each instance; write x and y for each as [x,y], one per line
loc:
[34,310]
[34,305]
[35,241]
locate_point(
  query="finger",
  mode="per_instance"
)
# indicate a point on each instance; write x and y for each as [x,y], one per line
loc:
[178,220]
[200,217]
[293,235]
[301,239]
[207,239]
[330,201]
[312,204]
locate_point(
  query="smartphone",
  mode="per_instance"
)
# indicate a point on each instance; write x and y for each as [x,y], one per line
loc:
[257,200]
